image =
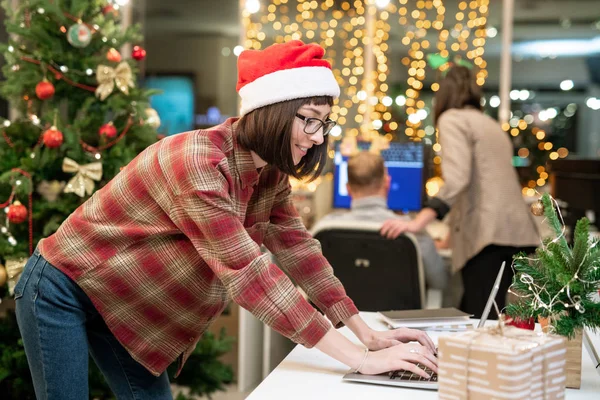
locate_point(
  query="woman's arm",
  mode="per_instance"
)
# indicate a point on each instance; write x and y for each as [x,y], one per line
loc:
[300,255]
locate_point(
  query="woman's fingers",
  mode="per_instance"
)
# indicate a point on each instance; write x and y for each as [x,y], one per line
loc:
[425,340]
[391,229]
[409,366]
[421,359]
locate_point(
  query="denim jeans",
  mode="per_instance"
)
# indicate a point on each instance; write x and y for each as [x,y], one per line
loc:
[60,325]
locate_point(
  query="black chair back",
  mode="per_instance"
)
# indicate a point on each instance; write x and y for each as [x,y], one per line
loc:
[378,274]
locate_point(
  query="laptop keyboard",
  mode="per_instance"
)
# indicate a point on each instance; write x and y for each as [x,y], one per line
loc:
[411,376]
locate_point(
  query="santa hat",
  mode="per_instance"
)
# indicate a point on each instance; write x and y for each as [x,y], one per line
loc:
[281,72]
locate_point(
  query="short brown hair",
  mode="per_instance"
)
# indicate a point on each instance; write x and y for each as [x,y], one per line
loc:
[267,131]
[366,171]
[457,90]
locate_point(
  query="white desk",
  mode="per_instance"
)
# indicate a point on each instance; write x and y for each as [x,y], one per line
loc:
[307,374]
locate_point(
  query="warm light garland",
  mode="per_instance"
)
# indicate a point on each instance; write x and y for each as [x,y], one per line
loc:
[418,23]
[475,29]
[355,35]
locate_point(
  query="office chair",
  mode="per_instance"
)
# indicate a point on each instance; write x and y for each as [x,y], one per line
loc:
[378,274]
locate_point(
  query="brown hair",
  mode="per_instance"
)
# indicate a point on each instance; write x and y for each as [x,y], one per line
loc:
[366,171]
[457,90]
[267,131]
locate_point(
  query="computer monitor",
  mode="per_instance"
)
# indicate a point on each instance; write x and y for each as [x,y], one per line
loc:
[175,103]
[405,163]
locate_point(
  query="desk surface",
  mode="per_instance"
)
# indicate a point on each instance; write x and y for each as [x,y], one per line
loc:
[309,374]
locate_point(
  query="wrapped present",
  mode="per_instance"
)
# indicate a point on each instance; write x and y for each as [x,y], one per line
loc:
[501,363]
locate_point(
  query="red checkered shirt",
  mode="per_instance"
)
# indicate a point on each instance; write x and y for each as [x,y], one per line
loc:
[164,246]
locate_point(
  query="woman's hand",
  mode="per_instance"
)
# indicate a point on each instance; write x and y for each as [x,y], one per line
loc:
[377,340]
[392,228]
[401,356]
[443,243]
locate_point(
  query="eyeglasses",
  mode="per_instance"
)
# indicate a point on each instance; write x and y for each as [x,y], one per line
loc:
[312,125]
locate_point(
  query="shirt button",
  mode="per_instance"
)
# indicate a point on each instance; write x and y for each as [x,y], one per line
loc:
[191,339]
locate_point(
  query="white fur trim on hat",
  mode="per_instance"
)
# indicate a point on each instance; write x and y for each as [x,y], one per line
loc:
[288,84]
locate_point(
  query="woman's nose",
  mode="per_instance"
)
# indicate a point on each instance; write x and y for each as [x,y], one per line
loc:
[317,137]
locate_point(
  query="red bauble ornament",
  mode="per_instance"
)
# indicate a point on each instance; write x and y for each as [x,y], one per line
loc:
[17,213]
[53,137]
[521,323]
[44,90]
[109,9]
[138,53]
[113,55]
[108,130]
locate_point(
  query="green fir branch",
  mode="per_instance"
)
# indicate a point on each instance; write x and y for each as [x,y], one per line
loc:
[565,274]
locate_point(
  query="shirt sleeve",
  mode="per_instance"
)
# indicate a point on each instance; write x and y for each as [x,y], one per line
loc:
[457,157]
[206,215]
[301,257]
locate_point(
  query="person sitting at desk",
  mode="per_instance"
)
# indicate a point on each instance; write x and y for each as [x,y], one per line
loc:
[368,185]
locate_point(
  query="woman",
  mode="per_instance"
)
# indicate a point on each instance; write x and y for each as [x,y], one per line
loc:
[139,271]
[489,222]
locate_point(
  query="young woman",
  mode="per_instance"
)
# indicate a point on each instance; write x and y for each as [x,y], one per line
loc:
[140,270]
[489,220]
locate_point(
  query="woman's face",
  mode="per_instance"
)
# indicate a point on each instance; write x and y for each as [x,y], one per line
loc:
[301,141]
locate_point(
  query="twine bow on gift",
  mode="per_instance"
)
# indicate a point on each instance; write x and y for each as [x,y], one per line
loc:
[14,268]
[85,175]
[108,76]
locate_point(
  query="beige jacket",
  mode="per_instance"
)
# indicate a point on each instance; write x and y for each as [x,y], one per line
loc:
[481,186]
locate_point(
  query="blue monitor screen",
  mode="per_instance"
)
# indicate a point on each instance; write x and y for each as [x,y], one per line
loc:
[405,165]
[175,105]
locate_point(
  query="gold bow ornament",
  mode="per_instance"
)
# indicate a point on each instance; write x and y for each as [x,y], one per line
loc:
[108,76]
[85,175]
[14,268]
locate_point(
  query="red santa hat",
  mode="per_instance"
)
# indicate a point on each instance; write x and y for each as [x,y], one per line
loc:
[283,71]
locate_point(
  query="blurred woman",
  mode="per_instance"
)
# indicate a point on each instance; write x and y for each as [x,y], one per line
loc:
[489,220]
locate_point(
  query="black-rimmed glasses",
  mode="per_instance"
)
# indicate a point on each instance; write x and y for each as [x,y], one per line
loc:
[312,125]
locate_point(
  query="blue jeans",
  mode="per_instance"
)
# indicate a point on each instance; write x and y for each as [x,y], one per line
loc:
[60,325]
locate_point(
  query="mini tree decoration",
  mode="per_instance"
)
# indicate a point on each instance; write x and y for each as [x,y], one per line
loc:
[560,283]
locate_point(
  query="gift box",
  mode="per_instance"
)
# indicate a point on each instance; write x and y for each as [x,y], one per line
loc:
[501,363]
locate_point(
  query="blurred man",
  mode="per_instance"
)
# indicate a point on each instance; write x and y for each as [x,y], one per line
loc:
[368,185]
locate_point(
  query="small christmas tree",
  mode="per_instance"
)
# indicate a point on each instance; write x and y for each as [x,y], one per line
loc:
[560,283]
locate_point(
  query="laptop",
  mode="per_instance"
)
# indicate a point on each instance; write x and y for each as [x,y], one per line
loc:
[409,379]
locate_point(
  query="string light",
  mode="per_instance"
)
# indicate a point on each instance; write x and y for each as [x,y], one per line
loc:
[426,15]
[476,13]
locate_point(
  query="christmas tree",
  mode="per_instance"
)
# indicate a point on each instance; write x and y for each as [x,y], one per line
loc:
[561,282]
[80,117]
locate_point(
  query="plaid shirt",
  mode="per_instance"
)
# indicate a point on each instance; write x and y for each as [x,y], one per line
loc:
[164,246]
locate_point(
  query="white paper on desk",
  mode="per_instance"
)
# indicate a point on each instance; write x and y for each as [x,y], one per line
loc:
[451,323]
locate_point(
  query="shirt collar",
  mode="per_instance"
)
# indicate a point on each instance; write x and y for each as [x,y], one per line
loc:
[244,164]
[369,202]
